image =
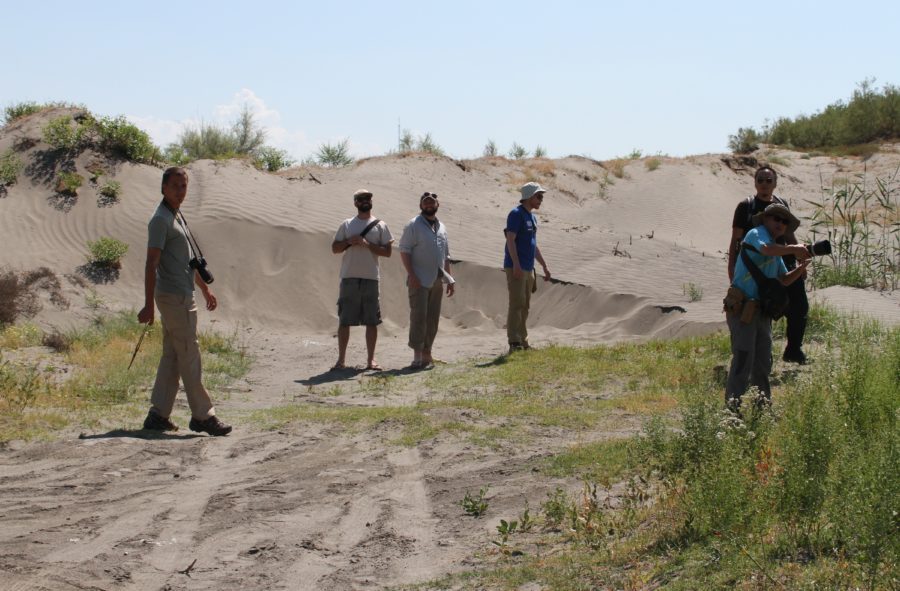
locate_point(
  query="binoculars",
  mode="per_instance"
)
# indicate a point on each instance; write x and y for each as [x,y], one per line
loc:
[816,249]
[199,263]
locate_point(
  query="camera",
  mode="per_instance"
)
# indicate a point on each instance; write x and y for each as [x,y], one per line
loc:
[819,248]
[199,263]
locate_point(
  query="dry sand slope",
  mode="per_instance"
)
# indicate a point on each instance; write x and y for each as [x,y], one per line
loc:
[310,507]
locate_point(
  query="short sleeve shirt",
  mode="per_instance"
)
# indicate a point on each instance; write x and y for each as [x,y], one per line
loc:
[523,224]
[359,262]
[427,246]
[174,274]
[771,266]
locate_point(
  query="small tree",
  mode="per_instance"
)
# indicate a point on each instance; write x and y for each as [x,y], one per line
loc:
[490,149]
[540,152]
[746,140]
[517,152]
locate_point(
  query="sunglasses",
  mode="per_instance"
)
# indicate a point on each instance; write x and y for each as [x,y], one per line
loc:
[427,194]
[363,199]
[765,181]
[780,219]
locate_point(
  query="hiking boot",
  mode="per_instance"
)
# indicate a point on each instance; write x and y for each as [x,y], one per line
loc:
[212,425]
[513,347]
[155,422]
[794,356]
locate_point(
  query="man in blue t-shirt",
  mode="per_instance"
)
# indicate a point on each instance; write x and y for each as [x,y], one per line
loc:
[519,255]
[750,328]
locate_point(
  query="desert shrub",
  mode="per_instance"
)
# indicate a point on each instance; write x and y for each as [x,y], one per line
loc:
[616,167]
[271,159]
[517,152]
[57,341]
[111,190]
[10,166]
[334,155]
[68,183]
[652,163]
[106,251]
[427,145]
[746,140]
[406,142]
[635,154]
[17,110]
[118,137]
[540,152]
[64,133]
[490,149]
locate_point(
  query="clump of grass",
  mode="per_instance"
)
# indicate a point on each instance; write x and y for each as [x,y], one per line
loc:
[111,190]
[68,183]
[25,108]
[540,152]
[335,155]
[106,252]
[65,133]
[616,167]
[693,291]
[779,160]
[271,159]
[409,143]
[10,166]
[652,163]
[490,149]
[861,220]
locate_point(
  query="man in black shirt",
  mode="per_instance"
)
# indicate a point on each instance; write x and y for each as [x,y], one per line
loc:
[766,180]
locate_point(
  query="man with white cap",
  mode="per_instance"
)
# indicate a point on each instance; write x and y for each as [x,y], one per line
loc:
[361,239]
[519,256]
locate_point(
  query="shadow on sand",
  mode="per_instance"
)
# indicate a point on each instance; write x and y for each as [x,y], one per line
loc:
[139,434]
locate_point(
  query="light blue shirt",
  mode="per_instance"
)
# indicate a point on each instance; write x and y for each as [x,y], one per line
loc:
[771,266]
[428,248]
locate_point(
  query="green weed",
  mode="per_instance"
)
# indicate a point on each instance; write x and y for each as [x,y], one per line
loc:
[68,183]
[335,155]
[106,251]
[517,152]
[10,166]
[652,163]
[475,505]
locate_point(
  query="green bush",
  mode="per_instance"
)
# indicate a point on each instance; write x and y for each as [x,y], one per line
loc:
[271,159]
[68,183]
[64,133]
[10,165]
[408,144]
[118,137]
[540,152]
[208,141]
[334,155]
[490,149]
[746,140]
[106,252]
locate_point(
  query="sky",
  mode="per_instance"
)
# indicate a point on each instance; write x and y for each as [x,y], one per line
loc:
[591,78]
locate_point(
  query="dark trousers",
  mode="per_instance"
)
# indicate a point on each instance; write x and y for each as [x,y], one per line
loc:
[797,312]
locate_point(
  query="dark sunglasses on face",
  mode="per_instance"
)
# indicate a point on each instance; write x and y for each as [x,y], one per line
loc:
[780,219]
[363,199]
[765,181]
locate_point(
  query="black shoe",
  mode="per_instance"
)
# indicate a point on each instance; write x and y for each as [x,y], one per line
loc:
[513,347]
[212,425]
[794,356]
[154,422]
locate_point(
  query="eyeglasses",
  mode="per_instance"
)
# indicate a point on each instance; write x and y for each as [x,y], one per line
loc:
[780,219]
[765,181]
[363,199]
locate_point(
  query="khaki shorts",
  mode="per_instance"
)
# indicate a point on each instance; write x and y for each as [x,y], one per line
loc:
[358,303]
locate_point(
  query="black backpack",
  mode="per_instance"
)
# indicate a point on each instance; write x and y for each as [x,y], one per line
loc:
[773,295]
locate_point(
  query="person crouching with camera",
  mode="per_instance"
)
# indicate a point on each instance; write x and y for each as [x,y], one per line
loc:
[172,270]
[750,305]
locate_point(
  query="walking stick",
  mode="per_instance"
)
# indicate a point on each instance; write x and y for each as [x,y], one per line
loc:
[138,346]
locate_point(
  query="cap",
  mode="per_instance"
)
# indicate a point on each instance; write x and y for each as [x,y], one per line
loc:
[362,193]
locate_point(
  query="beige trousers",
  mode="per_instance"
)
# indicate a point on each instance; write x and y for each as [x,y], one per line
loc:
[424,315]
[519,302]
[180,358]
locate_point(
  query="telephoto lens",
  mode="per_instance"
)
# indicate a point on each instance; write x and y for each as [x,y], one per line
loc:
[819,248]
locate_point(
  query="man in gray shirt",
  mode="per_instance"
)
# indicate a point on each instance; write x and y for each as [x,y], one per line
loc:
[425,252]
[170,279]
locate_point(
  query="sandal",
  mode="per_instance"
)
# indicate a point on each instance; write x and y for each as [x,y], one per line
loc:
[374,367]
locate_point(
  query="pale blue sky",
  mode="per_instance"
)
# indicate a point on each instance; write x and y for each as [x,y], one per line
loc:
[575,77]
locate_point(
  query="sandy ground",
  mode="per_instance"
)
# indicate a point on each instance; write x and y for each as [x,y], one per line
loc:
[313,507]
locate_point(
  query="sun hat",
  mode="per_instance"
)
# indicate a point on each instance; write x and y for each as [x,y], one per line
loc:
[779,210]
[362,193]
[529,190]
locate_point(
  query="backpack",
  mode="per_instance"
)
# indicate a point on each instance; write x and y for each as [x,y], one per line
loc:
[773,295]
[750,213]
